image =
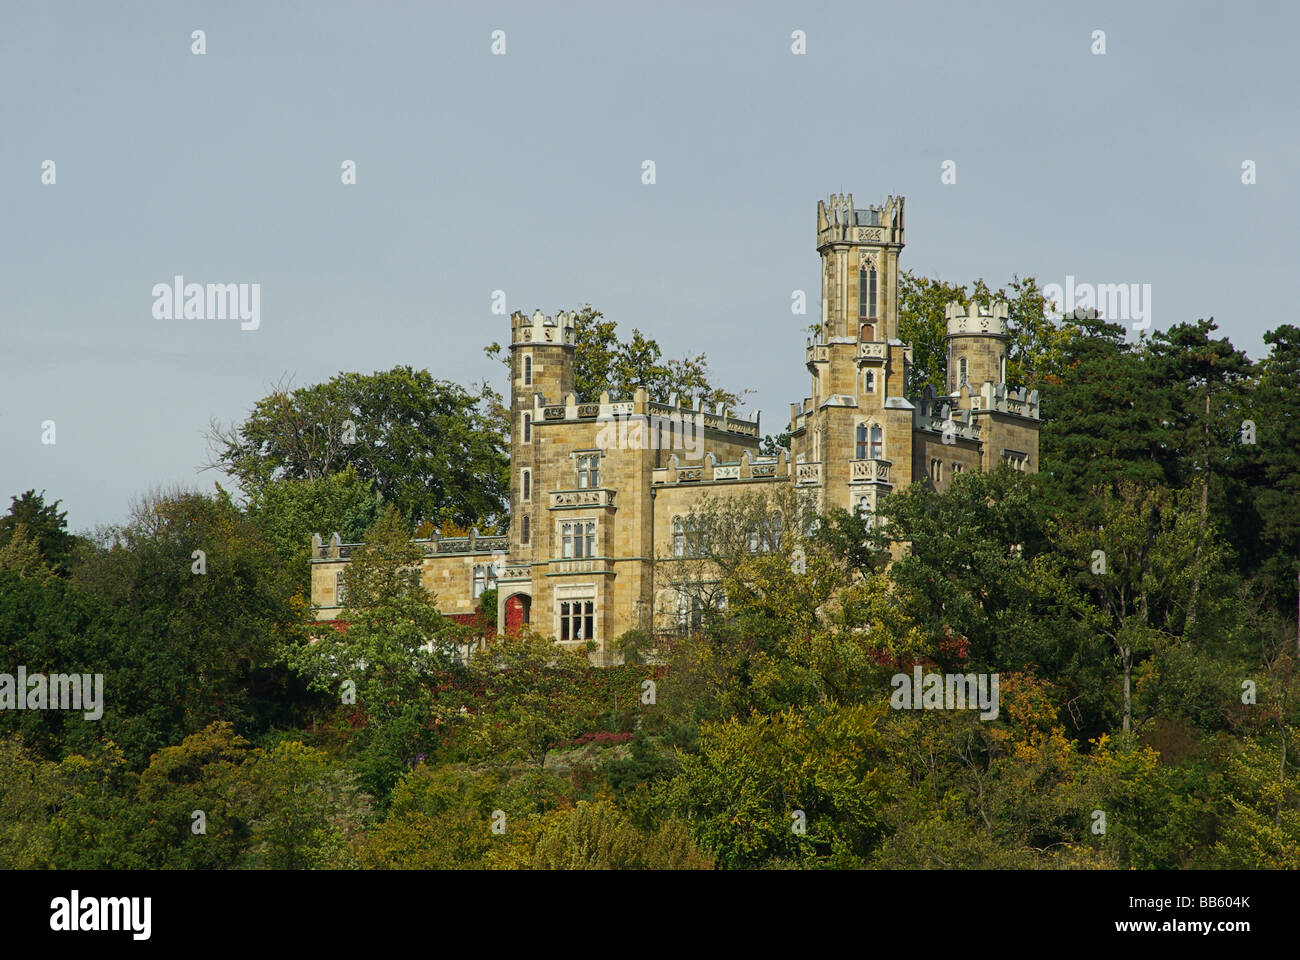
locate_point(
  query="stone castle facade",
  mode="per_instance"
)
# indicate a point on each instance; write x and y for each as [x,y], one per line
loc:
[599,491]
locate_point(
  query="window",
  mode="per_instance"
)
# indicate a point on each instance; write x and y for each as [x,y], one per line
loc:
[864,506]
[690,612]
[578,540]
[528,485]
[962,371]
[589,471]
[527,531]
[577,619]
[528,371]
[1002,369]
[868,331]
[861,446]
[867,294]
[687,539]
[868,384]
[485,578]
[936,471]
[877,443]
[340,588]
[528,428]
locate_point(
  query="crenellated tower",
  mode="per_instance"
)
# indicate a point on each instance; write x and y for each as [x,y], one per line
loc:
[541,363]
[977,345]
[853,434]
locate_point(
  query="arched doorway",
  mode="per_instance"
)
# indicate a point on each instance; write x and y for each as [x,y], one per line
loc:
[518,612]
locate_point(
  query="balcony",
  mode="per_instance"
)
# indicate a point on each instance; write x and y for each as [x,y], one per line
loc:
[869,471]
[808,474]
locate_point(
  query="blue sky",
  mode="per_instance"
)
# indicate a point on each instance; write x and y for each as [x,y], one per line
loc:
[522,173]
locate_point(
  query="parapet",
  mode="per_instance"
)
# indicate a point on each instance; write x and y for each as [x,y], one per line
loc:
[974,318]
[839,221]
[540,328]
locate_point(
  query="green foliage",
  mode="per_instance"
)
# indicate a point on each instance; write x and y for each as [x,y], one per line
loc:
[45,523]
[432,449]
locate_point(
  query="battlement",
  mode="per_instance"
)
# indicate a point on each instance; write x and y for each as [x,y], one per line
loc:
[839,221]
[539,328]
[641,406]
[975,318]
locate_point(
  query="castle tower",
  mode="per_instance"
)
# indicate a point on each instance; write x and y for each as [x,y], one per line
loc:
[977,345]
[541,362]
[853,436]
[859,251]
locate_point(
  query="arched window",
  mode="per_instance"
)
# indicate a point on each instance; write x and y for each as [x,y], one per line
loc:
[528,485]
[867,294]
[961,372]
[528,428]
[877,443]
[340,588]
[527,531]
[869,382]
[679,538]
[864,506]
[868,332]
[861,442]
[528,371]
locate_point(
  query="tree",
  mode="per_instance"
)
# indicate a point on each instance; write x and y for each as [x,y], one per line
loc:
[290,511]
[799,787]
[391,641]
[432,449]
[45,523]
[192,605]
[534,698]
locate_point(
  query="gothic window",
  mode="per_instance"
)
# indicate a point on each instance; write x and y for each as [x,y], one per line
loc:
[962,372]
[578,540]
[528,371]
[589,471]
[528,428]
[869,382]
[867,294]
[577,619]
[527,531]
[868,332]
[485,578]
[528,485]
[687,540]
[861,446]
[340,588]
[877,443]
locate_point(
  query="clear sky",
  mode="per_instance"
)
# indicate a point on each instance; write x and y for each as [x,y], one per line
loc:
[523,172]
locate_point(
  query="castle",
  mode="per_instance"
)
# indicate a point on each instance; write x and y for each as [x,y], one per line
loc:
[597,498]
